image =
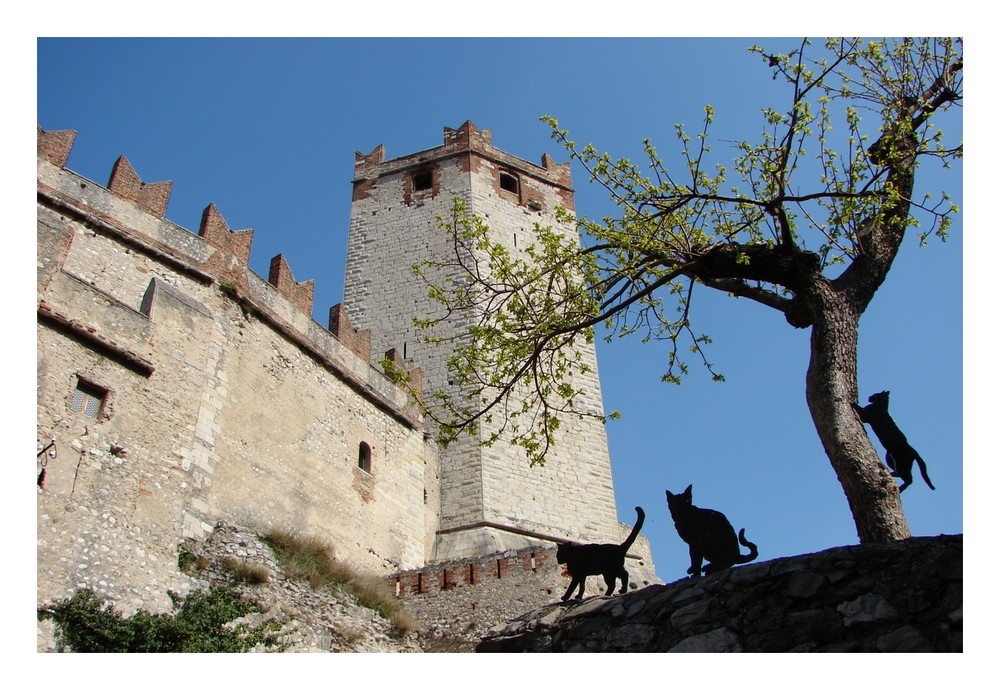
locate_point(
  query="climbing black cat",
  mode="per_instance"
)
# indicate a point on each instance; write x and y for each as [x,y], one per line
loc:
[899,454]
[598,559]
[708,534]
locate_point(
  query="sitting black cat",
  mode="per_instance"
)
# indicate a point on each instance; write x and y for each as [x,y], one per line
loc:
[708,534]
[899,454]
[598,559]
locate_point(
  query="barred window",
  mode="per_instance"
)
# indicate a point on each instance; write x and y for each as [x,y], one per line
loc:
[88,399]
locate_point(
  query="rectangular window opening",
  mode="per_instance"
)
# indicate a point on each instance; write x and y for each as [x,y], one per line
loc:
[422,179]
[88,399]
[508,182]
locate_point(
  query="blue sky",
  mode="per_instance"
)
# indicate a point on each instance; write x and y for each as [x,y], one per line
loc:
[267,130]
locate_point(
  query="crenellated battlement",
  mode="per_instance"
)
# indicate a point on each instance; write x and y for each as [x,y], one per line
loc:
[125,182]
[280,276]
[467,140]
[234,246]
[441,577]
[223,258]
[359,341]
[55,146]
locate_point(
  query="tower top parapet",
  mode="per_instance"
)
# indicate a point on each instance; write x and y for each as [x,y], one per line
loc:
[467,139]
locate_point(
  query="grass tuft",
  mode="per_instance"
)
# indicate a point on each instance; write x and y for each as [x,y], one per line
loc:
[249,573]
[312,559]
[190,564]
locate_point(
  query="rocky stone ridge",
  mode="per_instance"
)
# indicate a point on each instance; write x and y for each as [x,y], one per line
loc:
[896,597]
[311,620]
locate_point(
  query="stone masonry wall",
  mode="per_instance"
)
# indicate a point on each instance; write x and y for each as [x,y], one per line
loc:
[221,399]
[491,499]
[459,601]
[898,597]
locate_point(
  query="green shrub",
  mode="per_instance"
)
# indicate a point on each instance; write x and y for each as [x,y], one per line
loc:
[88,623]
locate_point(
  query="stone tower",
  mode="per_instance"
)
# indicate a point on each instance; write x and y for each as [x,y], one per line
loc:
[491,499]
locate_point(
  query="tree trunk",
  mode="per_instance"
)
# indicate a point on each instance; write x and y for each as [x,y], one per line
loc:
[831,387]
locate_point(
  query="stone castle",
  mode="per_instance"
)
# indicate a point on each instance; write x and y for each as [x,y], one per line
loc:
[176,389]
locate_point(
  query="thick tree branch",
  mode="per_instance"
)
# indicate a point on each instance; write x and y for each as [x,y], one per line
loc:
[756,262]
[740,289]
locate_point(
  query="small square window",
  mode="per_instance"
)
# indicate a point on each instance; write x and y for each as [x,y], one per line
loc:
[508,182]
[422,179]
[88,399]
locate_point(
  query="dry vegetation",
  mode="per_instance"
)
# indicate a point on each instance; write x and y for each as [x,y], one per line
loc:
[312,559]
[249,573]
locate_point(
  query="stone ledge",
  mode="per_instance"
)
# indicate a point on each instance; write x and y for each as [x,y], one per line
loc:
[897,597]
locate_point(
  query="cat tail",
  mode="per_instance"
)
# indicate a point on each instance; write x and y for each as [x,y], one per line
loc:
[635,530]
[923,470]
[750,545]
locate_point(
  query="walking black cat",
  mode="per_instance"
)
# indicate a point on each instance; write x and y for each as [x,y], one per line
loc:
[899,454]
[708,534]
[598,559]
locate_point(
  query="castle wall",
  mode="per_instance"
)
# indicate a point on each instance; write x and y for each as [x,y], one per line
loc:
[294,460]
[572,494]
[382,295]
[216,396]
[491,499]
[222,399]
[465,598]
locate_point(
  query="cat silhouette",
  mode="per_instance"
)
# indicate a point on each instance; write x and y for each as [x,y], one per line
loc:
[899,454]
[608,560]
[708,534]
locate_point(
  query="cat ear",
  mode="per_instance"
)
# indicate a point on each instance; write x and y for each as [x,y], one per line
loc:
[687,491]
